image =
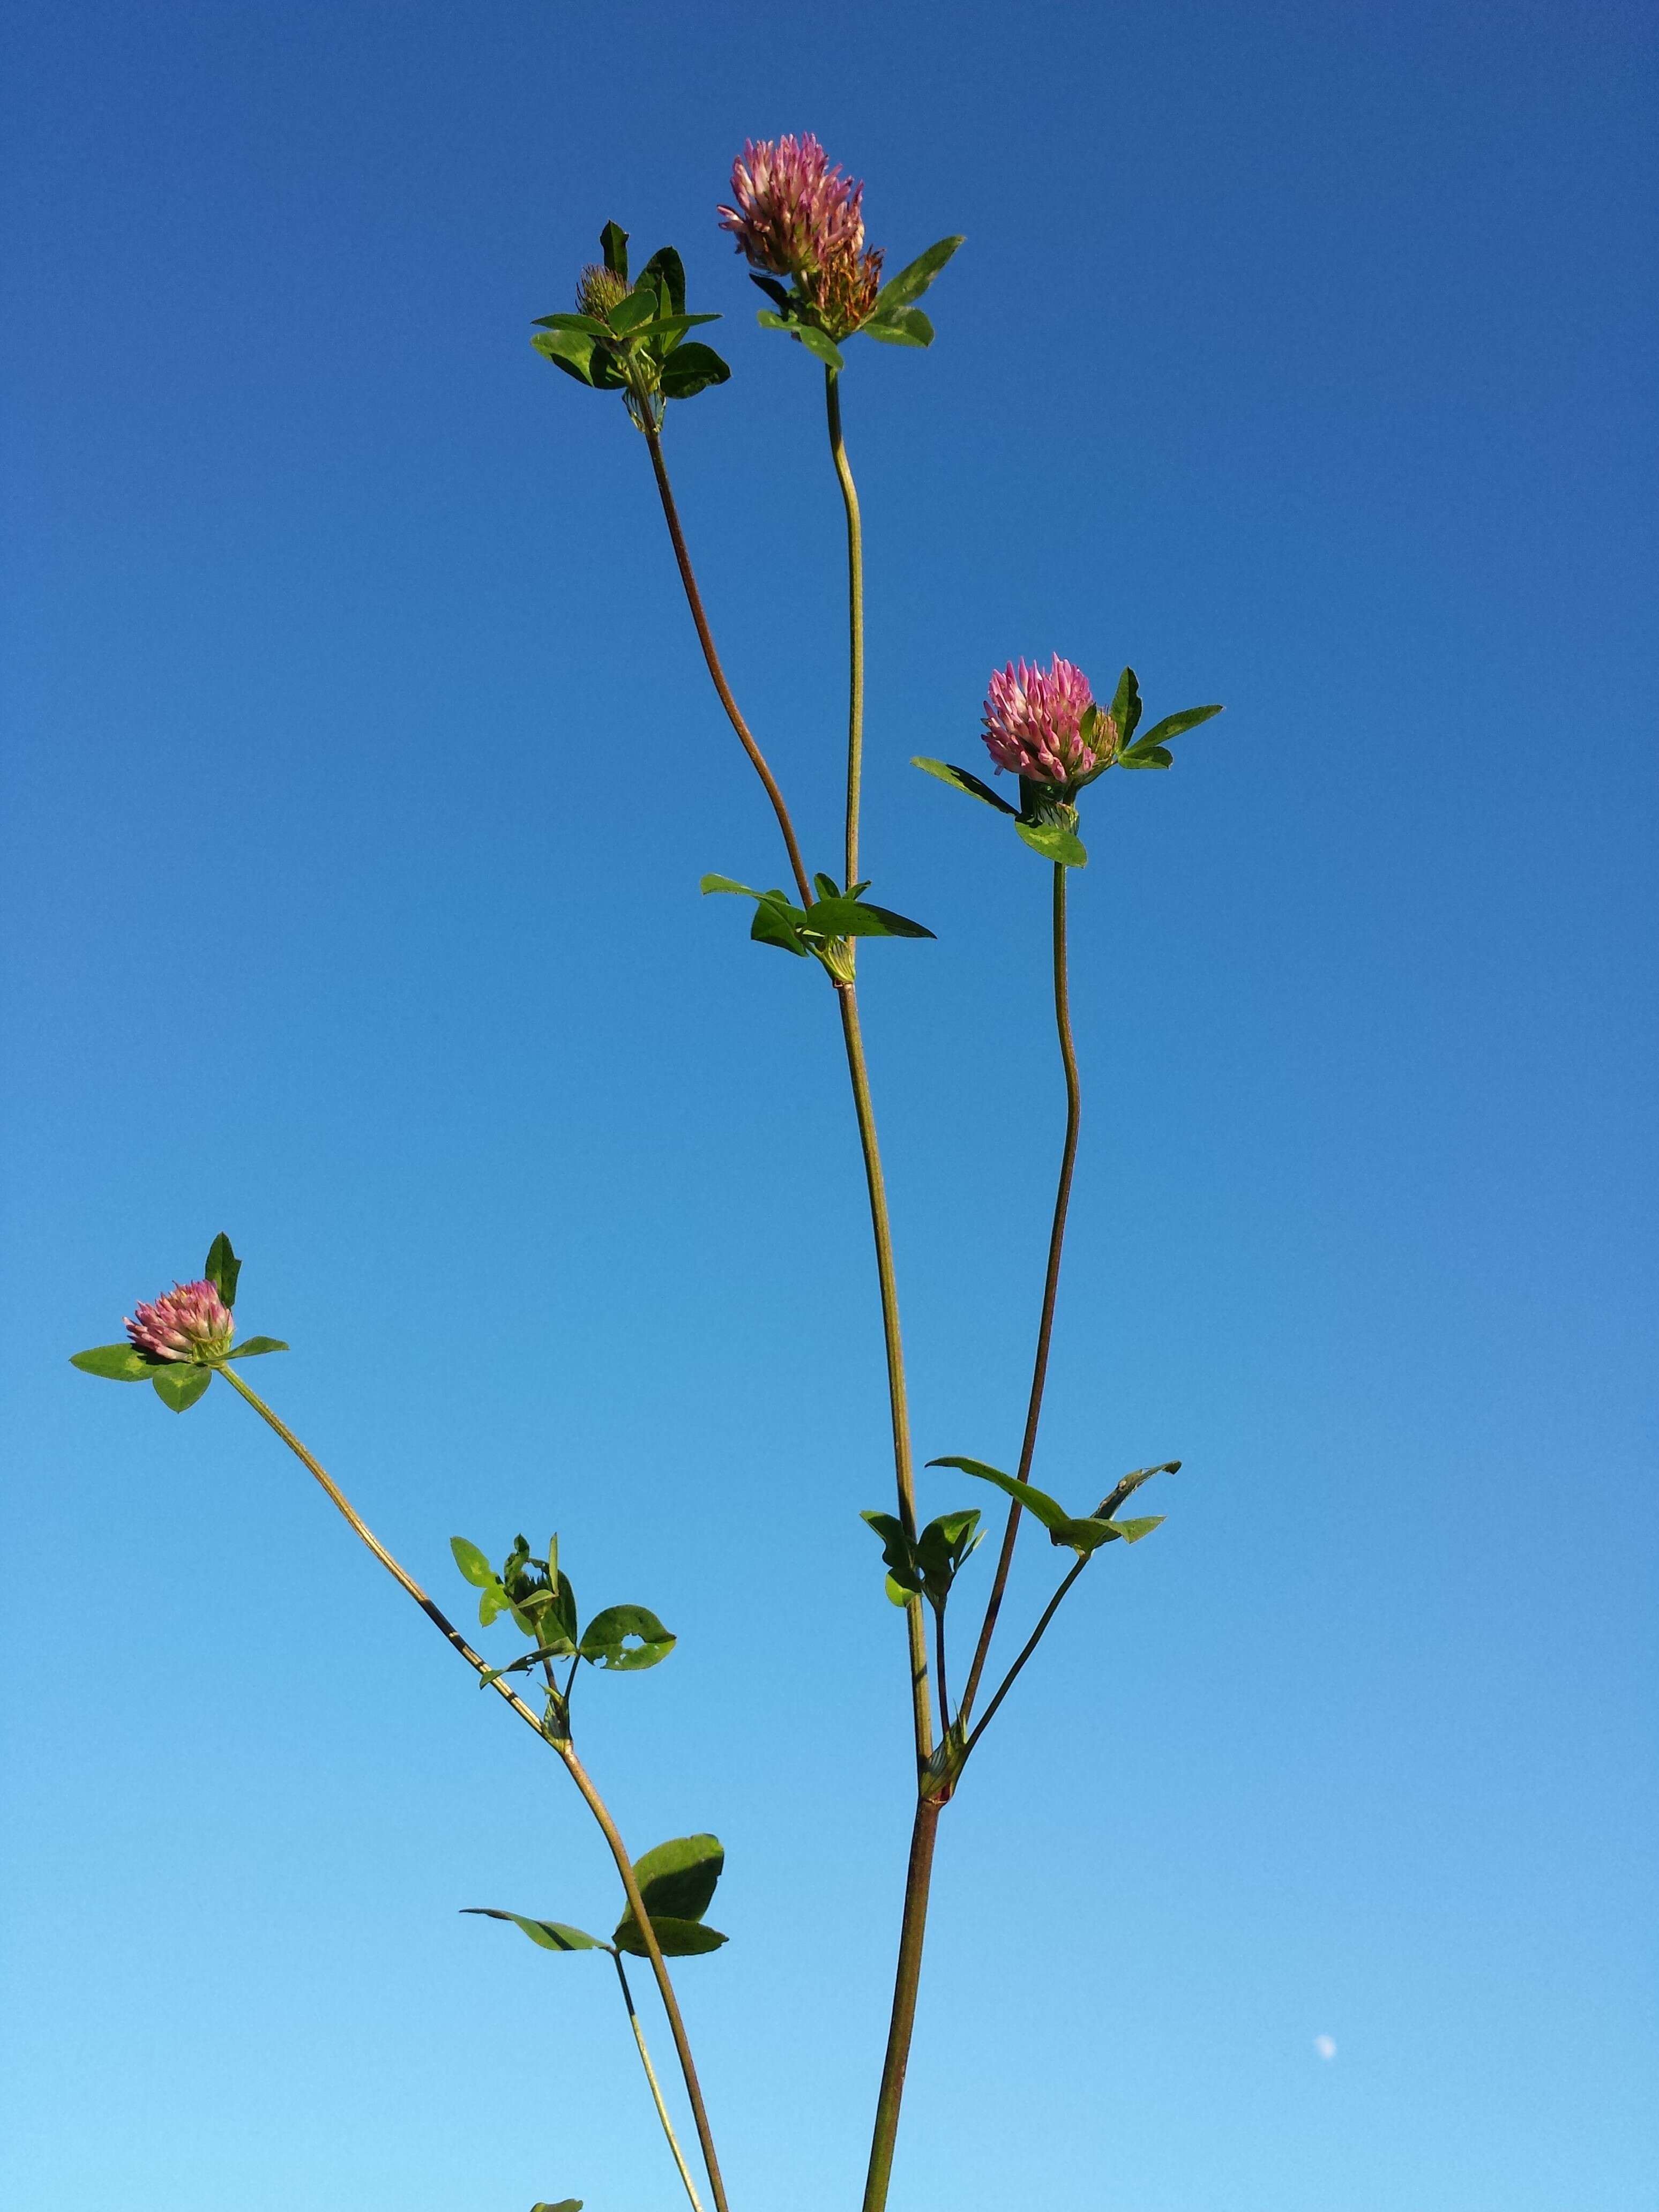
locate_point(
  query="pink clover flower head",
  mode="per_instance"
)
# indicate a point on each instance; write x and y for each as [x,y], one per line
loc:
[1033,722]
[189,1321]
[794,213]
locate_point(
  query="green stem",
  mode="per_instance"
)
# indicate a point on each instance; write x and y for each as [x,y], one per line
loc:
[854,621]
[1050,1289]
[706,639]
[913,1931]
[656,2091]
[566,1751]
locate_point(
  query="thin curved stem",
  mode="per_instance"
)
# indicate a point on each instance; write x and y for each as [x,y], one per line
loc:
[1050,1289]
[1031,1643]
[566,1751]
[656,2091]
[898,1403]
[854,622]
[706,639]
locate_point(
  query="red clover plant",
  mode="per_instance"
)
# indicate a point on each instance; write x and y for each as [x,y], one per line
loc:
[800,224]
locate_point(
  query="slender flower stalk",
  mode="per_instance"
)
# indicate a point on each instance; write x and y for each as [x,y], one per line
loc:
[1050,1289]
[562,1746]
[855,622]
[656,2091]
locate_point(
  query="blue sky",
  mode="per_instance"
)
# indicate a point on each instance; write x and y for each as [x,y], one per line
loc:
[361,774]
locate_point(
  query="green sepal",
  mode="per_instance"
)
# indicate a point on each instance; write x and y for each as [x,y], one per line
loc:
[680,1878]
[604,1640]
[257,1347]
[550,1935]
[613,244]
[1055,843]
[912,281]
[178,1385]
[116,1363]
[675,1939]
[223,1268]
[960,779]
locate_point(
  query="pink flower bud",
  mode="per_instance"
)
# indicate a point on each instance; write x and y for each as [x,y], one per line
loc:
[1034,723]
[189,1321]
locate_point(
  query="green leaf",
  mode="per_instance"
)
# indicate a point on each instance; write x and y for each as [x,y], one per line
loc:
[1037,1503]
[680,1878]
[665,270]
[473,1565]
[675,1939]
[909,328]
[1132,1531]
[1145,757]
[550,1935]
[770,286]
[1055,843]
[564,2204]
[848,917]
[633,309]
[179,1385]
[777,922]
[591,324]
[672,327]
[116,1363]
[769,321]
[690,369]
[1130,1483]
[817,342]
[896,1593]
[1126,707]
[613,243]
[257,1347]
[725,884]
[570,350]
[901,1568]
[960,779]
[222,1269]
[942,1546]
[907,287]
[1173,725]
[604,1640]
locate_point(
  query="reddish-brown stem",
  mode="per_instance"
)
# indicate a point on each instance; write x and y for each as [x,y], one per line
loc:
[1050,1292]
[705,638]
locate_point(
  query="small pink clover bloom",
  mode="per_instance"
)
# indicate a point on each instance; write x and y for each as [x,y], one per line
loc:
[794,213]
[189,1321]
[1033,723]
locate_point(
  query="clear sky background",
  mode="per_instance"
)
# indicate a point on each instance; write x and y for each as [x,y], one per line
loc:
[362,772]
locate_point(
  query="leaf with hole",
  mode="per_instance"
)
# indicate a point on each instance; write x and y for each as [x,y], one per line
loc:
[625,1639]
[550,1935]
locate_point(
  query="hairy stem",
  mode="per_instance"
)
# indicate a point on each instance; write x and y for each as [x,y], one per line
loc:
[573,1766]
[918,1879]
[1050,1290]
[705,638]
[854,623]
[656,2091]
